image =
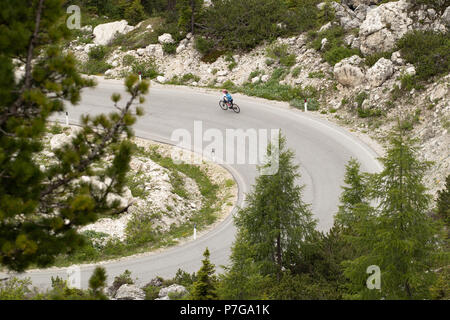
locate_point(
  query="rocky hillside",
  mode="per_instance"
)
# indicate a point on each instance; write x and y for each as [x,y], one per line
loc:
[177,198]
[353,70]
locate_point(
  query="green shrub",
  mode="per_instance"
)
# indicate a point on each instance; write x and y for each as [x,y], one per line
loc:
[232,65]
[296,72]
[170,48]
[151,292]
[337,53]
[185,79]
[269,62]
[237,24]
[372,59]
[124,278]
[279,74]
[428,51]
[360,98]
[98,53]
[139,229]
[280,53]
[408,82]
[229,85]
[204,46]
[128,60]
[93,67]
[255,73]
[368,112]
[148,68]
[335,49]
[134,12]
[15,289]
[56,129]
[212,56]
[318,74]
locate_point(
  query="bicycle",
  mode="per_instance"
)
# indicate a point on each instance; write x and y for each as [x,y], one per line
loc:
[226,106]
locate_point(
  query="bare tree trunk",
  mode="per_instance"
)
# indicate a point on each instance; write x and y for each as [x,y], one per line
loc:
[192,15]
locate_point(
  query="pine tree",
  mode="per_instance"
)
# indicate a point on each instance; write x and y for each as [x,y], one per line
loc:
[204,287]
[354,196]
[443,203]
[97,283]
[276,222]
[243,279]
[189,12]
[41,208]
[400,237]
[134,12]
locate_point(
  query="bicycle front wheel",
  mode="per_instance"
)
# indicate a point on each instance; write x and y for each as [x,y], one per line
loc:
[236,108]
[222,105]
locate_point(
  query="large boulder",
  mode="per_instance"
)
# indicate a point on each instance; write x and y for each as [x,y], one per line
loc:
[165,38]
[348,72]
[446,17]
[105,33]
[383,26]
[173,289]
[129,292]
[380,72]
[155,50]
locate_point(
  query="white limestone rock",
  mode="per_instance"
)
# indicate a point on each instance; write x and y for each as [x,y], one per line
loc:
[380,72]
[105,33]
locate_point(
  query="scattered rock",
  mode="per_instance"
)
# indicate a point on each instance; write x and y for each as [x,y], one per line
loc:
[129,292]
[165,38]
[256,80]
[173,289]
[348,72]
[161,79]
[265,78]
[380,72]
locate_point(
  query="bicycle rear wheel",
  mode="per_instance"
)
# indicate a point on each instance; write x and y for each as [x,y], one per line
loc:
[236,108]
[222,105]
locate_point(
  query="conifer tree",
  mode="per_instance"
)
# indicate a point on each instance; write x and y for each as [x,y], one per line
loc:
[354,196]
[443,203]
[41,208]
[189,12]
[204,288]
[276,222]
[97,283]
[400,237]
[243,279]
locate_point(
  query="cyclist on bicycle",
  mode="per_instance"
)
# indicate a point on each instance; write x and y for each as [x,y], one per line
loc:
[227,98]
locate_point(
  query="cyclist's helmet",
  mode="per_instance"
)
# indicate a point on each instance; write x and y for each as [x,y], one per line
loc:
[224,91]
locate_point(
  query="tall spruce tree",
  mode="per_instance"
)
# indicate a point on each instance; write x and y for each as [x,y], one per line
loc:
[189,12]
[400,237]
[204,288]
[443,203]
[41,208]
[354,197]
[276,222]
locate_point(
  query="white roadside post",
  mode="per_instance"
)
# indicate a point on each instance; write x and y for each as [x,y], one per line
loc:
[67,119]
[195,231]
[213,155]
[306,105]
[140,76]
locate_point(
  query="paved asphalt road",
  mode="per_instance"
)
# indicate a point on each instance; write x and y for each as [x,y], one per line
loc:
[322,150]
